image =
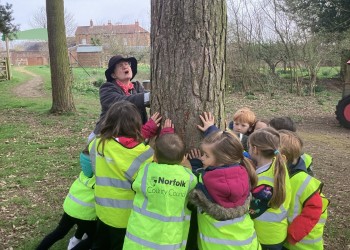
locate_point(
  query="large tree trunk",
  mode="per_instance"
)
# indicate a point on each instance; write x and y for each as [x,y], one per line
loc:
[188,43]
[61,79]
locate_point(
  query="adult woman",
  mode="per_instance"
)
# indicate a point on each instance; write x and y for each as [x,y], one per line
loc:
[118,87]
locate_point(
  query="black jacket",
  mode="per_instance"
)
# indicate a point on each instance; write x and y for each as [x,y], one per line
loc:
[111,93]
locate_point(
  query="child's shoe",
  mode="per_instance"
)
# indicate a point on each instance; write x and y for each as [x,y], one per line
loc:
[73,242]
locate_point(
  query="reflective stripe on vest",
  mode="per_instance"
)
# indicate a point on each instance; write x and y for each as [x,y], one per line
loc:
[105,181]
[273,217]
[80,202]
[297,197]
[311,241]
[106,202]
[307,160]
[265,178]
[154,245]
[228,222]
[159,216]
[228,242]
[135,165]
[92,154]
[322,221]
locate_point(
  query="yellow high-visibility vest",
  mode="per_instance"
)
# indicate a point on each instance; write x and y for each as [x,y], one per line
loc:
[303,187]
[160,218]
[235,234]
[307,159]
[271,226]
[115,171]
[80,201]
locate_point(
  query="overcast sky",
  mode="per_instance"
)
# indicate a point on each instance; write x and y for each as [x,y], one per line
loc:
[100,11]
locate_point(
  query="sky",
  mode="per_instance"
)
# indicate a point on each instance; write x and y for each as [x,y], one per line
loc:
[100,11]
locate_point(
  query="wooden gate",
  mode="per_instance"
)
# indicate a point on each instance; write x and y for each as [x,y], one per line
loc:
[4,69]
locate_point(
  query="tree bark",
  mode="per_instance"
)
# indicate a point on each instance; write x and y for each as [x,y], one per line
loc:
[188,54]
[61,78]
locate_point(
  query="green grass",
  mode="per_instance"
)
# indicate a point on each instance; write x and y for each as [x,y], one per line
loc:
[323,72]
[39,159]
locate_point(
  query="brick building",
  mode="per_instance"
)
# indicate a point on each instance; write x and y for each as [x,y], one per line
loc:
[86,56]
[29,58]
[132,35]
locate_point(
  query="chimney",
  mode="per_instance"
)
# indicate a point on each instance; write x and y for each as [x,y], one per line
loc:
[137,23]
[109,23]
[91,23]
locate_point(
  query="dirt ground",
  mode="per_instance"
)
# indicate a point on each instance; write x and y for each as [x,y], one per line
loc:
[324,139]
[31,88]
[329,144]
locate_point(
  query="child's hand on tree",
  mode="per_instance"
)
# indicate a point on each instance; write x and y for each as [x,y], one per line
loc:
[194,154]
[194,157]
[168,124]
[156,117]
[185,162]
[168,127]
[208,120]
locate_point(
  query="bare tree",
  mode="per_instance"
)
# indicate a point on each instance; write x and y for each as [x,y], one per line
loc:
[188,54]
[61,80]
[39,20]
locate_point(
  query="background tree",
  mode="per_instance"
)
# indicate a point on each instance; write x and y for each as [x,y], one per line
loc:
[320,15]
[39,20]
[188,56]
[6,20]
[61,79]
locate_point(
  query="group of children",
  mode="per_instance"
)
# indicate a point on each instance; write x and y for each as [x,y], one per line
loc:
[246,188]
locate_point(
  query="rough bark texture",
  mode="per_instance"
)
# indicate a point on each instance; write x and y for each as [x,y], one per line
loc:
[61,80]
[188,42]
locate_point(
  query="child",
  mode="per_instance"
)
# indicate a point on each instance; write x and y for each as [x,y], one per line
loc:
[117,154]
[287,123]
[271,197]
[244,122]
[160,218]
[223,195]
[283,122]
[209,127]
[79,209]
[308,209]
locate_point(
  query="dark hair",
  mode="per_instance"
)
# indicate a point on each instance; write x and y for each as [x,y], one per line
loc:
[121,119]
[227,149]
[169,149]
[284,122]
[267,141]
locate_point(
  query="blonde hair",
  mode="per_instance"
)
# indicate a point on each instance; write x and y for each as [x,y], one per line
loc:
[267,141]
[227,149]
[291,145]
[245,115]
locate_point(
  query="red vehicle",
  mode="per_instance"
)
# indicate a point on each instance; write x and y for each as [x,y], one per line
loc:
[343,108]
